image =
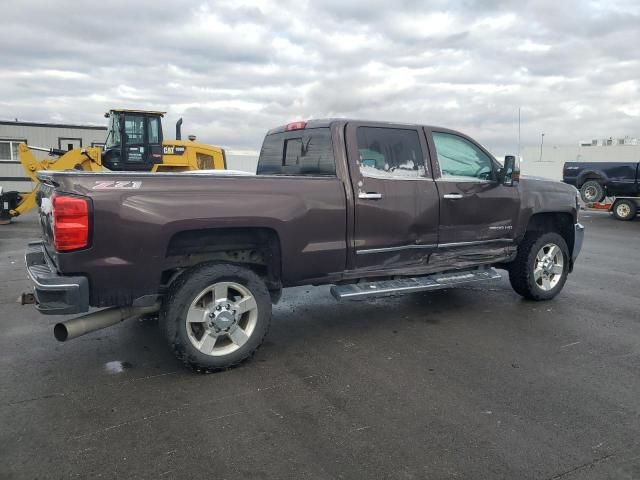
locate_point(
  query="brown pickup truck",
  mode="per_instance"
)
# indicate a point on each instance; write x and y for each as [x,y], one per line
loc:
[371,208]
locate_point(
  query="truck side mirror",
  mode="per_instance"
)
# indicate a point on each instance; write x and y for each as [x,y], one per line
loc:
[511,171]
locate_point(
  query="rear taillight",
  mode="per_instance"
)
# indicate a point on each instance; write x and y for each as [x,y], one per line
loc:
[70,222]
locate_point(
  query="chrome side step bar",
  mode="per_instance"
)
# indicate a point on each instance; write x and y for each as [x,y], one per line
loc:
[413,284]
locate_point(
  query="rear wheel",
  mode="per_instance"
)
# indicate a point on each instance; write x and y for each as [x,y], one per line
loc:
[541,266]
[216,316]
[592,191]
[624,209]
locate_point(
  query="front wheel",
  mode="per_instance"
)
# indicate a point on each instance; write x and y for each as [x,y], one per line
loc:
[216,316]
[541,266]
[624,209]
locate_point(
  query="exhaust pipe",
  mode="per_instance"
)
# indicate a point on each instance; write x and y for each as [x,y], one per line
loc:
[179,129]
[91,322]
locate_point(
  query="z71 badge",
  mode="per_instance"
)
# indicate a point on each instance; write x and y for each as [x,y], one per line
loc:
[116,185]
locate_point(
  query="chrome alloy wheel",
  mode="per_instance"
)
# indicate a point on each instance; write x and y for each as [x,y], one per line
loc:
[222,318]
[548,267]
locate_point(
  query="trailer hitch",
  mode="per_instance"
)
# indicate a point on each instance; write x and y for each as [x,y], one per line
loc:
[27,298]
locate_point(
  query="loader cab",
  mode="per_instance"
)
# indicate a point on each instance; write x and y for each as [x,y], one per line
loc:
[134,140]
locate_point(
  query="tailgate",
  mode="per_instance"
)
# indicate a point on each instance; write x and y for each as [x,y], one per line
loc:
[65,217]
[45,211]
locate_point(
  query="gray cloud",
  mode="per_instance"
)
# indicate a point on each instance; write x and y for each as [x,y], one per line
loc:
[234,69]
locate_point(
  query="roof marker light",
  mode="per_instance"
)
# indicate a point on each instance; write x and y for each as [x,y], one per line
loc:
[295,126]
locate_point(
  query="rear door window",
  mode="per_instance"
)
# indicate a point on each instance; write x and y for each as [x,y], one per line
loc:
[390,153]
[299,152]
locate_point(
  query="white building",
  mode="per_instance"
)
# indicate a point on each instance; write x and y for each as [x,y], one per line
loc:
[608,142]
[47,135]
[246,161]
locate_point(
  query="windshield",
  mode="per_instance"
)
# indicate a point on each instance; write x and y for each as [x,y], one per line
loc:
[113,132]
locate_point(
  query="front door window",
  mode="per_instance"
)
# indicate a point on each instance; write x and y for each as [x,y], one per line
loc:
[459,158]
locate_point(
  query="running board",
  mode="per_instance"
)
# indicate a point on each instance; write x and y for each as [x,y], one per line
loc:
[413,284]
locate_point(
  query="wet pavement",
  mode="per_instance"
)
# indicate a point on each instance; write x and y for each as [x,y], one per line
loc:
[465,383]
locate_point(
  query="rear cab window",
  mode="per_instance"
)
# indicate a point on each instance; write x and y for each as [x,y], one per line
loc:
[298,152]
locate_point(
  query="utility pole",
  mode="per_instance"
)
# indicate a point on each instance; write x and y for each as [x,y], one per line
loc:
[518,132]
[541,144]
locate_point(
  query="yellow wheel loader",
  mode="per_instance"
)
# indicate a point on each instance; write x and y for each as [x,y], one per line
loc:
[134,143]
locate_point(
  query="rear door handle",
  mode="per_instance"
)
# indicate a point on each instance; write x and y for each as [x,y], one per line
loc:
[369,195]
[453,196]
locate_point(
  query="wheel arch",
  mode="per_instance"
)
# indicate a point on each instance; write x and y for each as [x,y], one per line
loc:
[587,175]
[257,248]
[560,222]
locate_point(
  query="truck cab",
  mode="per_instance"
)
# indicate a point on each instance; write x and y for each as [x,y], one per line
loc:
[418,194]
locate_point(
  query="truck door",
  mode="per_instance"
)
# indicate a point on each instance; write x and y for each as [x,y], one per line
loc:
[476,209]
[622,178]
[396,200]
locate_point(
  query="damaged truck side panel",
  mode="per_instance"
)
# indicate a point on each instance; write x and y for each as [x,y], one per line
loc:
[142,231]
[369,207]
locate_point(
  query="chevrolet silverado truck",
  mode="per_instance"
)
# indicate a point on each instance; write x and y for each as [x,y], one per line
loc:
[597,180]
[370,208]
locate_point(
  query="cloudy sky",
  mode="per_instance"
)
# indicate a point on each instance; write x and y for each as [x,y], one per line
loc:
[234,69]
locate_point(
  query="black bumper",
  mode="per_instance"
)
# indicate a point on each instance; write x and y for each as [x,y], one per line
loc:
[55,294]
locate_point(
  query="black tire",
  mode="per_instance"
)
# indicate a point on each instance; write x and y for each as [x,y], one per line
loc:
[186,289]
[592,191]
[521,270]
[624,209]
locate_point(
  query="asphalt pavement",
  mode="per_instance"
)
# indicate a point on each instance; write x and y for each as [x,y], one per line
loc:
[469,383]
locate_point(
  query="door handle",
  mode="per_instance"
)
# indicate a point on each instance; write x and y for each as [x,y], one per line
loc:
[369,195]
[453,196]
